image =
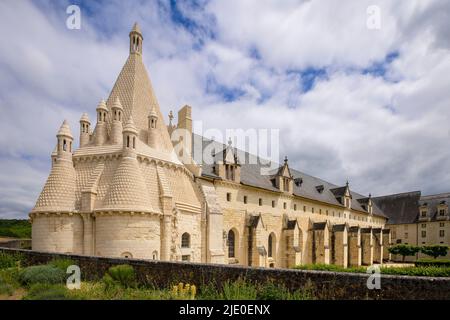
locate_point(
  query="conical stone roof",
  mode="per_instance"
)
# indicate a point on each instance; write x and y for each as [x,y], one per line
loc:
[128,191]
[135,91]
[58,194]
[65,130]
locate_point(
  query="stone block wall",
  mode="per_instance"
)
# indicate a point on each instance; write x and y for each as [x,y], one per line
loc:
[326,285]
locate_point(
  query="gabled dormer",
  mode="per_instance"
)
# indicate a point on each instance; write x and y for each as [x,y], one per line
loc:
[442,210]
[343,195]
[424,212]
[226,164]
[283,179]
[366,204]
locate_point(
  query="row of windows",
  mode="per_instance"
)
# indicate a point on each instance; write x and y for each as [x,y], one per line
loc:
[442,212]
[441,224]
[424,233]
[337,214]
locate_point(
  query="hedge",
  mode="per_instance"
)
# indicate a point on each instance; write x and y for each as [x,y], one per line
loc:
[432,262]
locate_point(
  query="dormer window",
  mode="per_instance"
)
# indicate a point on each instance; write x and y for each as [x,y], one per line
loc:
[298,181]
[442,212]
[423,213]
[229,172]
[347,202]
[320,188]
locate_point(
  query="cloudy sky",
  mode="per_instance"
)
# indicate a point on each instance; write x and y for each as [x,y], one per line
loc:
[371,105]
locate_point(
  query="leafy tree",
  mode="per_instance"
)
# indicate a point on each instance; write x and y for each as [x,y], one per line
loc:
[434,251]
[404,250]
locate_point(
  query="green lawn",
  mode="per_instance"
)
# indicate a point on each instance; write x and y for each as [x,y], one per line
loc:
[427,271]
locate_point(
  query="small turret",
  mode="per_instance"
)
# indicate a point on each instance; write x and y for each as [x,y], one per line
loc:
[117,115]
[85,130]
[100,129]
[152,123]
[136,40]
[65,141]
[129,138]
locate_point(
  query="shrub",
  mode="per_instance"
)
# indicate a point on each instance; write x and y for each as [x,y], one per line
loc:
[330,267]
[45,291]
[239,290]
[434,251]
[404,250]
[8,260]
[44,274]
[271,291]
[122,275]
[432,262]
[62,264]
[6,288]
[418,271]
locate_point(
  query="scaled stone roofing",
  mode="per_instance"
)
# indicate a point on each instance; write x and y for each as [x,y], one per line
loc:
[135,91]
[58,194]
[127,190]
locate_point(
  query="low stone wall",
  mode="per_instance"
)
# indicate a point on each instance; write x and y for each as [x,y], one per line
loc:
[15,243]
[327,285]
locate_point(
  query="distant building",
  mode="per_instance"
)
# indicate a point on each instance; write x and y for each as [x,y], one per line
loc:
[125,193]
[417,220]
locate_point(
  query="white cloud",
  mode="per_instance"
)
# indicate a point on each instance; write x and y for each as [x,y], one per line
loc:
[384,133]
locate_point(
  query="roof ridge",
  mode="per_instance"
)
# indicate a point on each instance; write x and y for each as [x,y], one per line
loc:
[397,194]
[437,195]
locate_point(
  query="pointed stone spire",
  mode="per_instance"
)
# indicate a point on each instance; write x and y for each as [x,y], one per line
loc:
[117,116]
[85,125]
[136,40]
[64,130]
[170,118]
[129,126]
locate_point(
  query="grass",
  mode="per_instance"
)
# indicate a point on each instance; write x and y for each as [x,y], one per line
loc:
[15,228]
[46,282]
[8,260]
[427,271]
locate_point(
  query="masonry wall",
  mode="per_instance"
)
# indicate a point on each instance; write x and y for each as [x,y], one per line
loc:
[326,285]
[58,233]
[119,235]
[230,197]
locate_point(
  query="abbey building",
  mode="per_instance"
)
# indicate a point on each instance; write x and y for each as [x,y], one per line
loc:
[125,192]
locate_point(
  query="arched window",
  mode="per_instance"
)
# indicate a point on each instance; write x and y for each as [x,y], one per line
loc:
[155,255]
[64,145]
[231,244]
[128,141]
[185,240]
[126,255]
[270,245]
[134,142]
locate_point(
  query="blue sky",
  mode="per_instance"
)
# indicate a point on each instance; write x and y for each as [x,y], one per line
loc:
[370,106]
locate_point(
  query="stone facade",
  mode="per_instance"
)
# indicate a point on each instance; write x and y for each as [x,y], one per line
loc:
[417,220]
[127,191]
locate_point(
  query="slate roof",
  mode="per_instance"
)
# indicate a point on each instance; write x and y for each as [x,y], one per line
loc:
[319,225]
[400,208]
[339,227]
[290,225]
[433,201]
[252,166]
